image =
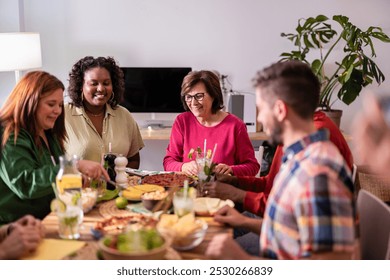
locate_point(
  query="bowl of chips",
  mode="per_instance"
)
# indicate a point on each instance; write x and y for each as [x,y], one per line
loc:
[184,233]
[151,199]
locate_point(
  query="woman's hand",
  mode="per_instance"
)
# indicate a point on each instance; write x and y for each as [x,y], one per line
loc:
[190,168]
[92,169]
[24,237]
[222,168]
[31,221]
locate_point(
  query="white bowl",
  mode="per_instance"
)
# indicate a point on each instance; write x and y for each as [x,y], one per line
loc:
[88,199]
[187,242]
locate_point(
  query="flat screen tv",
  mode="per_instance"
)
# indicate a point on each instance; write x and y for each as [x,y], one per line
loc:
[153,89]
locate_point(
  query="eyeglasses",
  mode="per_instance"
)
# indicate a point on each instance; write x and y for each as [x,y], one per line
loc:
[198,97]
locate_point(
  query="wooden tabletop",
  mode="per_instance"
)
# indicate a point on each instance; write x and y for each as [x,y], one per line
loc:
[89,252]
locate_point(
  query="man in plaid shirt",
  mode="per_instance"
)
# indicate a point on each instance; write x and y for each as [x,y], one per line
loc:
[309,213]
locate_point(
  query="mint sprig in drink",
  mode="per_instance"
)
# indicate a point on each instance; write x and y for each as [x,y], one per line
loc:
[69,222]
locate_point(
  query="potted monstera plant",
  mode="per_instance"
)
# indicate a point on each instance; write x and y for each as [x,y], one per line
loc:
[316,42]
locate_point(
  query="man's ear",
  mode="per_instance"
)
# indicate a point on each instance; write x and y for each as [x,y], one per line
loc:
[280,110]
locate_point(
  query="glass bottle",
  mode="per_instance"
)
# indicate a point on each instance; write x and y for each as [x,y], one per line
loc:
[109,165]
[69,184]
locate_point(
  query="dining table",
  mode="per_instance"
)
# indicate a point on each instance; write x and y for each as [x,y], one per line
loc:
[105,209]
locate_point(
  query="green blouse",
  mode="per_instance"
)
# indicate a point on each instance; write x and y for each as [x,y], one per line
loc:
[26,175]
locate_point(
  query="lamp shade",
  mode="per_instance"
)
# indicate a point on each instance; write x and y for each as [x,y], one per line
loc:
[20,51]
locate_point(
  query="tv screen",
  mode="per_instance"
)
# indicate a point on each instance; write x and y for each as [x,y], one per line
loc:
[153,90]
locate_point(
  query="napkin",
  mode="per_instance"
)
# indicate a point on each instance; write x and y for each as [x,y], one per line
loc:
[54,249]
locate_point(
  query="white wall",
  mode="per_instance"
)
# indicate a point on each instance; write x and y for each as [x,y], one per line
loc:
[235,37]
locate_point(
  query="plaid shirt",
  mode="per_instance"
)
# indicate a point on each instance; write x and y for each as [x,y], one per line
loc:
[310,206]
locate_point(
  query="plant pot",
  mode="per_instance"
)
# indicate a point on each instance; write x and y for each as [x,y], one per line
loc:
[335,116]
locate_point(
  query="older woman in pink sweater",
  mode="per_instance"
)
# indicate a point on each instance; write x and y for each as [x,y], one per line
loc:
[202,99]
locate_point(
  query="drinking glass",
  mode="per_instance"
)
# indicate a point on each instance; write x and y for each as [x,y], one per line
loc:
[69,222]
[204,165]
[72,199]
[183,202]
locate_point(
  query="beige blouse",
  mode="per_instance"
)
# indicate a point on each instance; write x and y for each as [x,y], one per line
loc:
[119,129]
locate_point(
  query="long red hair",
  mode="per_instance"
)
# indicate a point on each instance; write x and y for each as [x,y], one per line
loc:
[20,109]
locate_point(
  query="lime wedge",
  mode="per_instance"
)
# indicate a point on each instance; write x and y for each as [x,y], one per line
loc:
[75,198]
[57,205]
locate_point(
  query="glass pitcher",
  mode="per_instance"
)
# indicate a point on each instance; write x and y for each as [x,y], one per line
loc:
[69,183]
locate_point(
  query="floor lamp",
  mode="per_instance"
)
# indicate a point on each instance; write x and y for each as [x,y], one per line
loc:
[20,51]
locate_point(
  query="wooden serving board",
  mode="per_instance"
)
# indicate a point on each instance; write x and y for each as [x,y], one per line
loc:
[109,209]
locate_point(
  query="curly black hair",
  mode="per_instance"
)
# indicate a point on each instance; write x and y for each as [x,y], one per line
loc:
[76,78]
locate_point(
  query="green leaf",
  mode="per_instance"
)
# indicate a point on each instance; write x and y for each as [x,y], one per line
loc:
[315,66]
[381,36]
[321,18]
[351,88]
[348,73]
[307,42]
[354,70]
[349,92]
[315,40]
[342,20]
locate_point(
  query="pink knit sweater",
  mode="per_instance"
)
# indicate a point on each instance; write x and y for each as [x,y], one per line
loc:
[234,146]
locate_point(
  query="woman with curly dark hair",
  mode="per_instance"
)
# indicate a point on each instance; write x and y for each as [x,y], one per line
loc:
[95,122]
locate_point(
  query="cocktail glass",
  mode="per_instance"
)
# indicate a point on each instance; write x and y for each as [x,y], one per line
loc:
[204,171]
[69,222]
[183,202]
[72,199]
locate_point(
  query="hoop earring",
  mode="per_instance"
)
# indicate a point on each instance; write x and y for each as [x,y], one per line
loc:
[82,96]
[112,97]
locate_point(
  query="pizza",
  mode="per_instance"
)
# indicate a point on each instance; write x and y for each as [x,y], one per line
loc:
[115,225]
[167,179]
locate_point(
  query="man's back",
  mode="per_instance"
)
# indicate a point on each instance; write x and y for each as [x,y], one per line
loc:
[310,206]
[257,194]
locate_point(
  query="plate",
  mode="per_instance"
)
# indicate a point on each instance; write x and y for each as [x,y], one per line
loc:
[134,193]
[207,206]
[109,209]
[168,179]
[117,222]
[139,172]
